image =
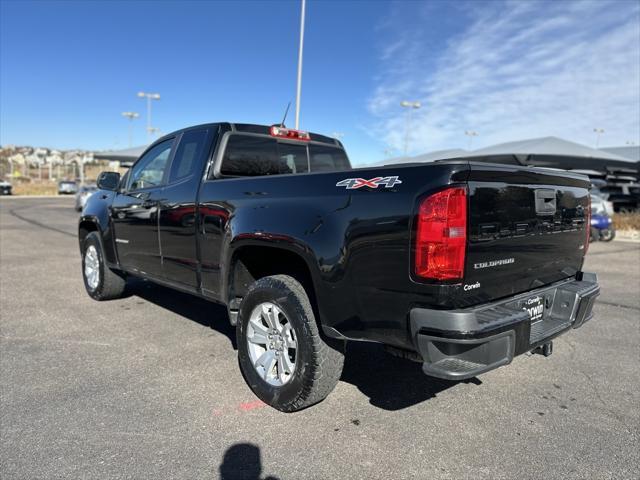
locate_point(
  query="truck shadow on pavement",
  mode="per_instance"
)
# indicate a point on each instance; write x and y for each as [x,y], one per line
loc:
[390,383]
[203,312]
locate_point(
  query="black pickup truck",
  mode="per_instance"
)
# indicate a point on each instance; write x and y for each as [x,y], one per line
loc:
[460,264]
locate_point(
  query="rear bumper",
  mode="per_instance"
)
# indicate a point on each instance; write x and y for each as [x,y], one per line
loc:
[460,344]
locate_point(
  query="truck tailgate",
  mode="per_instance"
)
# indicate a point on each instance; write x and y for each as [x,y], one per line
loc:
[527,228]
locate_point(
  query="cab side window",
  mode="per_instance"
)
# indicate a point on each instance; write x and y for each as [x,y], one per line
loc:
[149,170]
[188,155]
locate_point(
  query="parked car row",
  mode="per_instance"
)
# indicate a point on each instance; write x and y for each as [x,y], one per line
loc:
[65,187]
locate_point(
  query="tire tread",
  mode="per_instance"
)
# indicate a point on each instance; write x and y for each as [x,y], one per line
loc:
[328,355]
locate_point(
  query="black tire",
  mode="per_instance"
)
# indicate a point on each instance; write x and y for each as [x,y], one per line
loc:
[110,284]
[607,235]
[318,362]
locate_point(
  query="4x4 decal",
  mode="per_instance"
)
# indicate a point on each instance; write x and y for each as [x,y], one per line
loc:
[355,183]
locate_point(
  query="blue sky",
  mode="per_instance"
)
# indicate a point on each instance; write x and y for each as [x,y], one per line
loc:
[508,70]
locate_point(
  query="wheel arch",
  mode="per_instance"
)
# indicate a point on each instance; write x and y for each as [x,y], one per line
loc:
[251,261]
[90,223]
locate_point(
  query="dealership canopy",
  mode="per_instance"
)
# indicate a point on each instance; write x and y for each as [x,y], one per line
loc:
[128,155]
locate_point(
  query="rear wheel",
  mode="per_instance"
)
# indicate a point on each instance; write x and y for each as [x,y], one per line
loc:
[100,281]
[283,357]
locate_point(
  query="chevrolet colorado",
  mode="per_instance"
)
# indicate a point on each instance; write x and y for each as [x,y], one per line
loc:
[458,264]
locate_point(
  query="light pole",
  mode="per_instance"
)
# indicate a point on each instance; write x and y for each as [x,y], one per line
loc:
[149,97]
[155,131]
[131,116]
[411,106]
[299,83]
[470,134]
[598,132]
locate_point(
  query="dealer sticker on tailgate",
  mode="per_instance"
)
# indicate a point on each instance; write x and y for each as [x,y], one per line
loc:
[534,306]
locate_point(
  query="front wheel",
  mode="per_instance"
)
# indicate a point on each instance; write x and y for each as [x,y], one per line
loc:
[100,281]
[282,355]
[607,234]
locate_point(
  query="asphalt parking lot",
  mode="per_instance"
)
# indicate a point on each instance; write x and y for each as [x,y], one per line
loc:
[149,387]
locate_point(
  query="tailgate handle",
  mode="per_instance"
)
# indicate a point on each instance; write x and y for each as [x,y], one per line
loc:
[545,201]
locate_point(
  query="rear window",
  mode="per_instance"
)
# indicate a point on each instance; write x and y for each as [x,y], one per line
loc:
[248,155]
[294,156]
[326,159]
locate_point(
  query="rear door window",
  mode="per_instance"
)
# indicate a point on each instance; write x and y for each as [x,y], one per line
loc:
[188,157]
[326,159]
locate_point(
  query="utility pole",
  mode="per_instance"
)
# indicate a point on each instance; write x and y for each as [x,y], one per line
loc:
[411,106]
[470,134]
[131,116]
[149,97]
[299,83]
[598,132]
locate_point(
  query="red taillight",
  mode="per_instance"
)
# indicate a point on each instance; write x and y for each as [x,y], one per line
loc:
[587,227]
[441,236]
[289,133]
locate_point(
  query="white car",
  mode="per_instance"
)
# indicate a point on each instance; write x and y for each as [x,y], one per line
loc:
[83,195]
[5,187]
[601,206]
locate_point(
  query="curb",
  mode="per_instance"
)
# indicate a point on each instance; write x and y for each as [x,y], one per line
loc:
[628,235]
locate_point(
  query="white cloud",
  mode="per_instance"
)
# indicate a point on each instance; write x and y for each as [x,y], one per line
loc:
[518,70]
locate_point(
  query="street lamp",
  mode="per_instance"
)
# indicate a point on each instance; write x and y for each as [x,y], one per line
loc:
[131,116]
[598,132]
[299,83]
[155,131]
[470,134]
[411,106]
[149,97]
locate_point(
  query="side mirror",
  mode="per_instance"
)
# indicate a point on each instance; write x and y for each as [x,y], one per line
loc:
[108,181]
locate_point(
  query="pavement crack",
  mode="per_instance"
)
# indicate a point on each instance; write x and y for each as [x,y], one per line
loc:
[38,224]
[619,305]
[54,340]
